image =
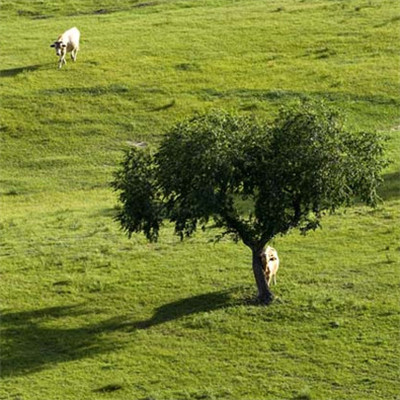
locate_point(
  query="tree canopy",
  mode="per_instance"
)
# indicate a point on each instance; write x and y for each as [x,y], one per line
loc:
[290,172]
[254,179]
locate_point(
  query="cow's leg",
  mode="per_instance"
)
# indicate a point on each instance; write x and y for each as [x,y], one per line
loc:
[62,61]
[73,54]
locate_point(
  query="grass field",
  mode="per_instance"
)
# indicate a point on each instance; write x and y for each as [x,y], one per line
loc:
[89,314]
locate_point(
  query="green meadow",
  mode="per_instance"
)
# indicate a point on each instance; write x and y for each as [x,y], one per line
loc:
[87,313]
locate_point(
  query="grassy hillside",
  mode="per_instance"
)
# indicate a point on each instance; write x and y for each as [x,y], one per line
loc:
[87,313]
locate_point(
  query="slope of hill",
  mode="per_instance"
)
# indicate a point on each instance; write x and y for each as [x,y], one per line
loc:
[87,313]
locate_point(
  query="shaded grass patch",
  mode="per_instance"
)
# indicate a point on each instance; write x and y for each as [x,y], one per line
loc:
[390,189]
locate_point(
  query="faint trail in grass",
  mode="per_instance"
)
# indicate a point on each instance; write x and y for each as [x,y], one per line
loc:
[390,21]
[279,95]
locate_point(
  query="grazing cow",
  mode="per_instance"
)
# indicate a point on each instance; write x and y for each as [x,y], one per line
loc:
[270,262]
[68,42]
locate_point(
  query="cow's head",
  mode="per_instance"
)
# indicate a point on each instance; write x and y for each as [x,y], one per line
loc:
[59,46]
[271,253]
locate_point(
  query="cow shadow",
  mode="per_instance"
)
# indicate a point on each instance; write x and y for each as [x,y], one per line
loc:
[12,72]
[6,73]
[39,339]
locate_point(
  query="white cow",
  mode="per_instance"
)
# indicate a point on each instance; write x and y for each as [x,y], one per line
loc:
[68,42]
[270,262]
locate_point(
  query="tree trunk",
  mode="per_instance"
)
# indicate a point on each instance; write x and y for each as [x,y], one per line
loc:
[264,294]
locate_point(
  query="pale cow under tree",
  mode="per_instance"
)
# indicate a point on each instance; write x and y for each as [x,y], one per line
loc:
[270,262]
[68,42]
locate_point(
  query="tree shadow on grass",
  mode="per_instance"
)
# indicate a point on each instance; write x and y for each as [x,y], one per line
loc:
[34,340]
[185,307]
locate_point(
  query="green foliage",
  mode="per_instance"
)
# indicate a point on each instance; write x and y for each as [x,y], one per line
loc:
[200,171]
[136,182]
[316,165]
[292,172]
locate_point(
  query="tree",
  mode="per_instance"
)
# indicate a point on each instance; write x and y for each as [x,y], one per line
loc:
[253,179]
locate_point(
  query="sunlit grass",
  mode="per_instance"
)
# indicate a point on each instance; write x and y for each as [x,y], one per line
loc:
[88,313]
